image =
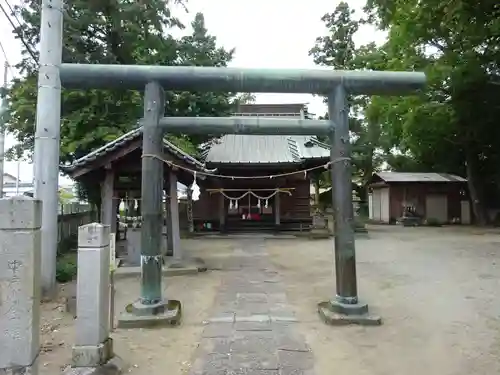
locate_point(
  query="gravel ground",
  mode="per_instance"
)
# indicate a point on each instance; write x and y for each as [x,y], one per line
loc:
[435,289]
[146,351]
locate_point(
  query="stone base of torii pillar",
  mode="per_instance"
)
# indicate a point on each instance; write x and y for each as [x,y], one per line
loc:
[337,313]
[139,315]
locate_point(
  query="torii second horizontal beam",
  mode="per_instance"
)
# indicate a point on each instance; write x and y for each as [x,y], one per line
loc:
[187,78]
[245,125]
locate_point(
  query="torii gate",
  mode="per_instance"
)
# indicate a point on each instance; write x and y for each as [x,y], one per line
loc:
[334,84]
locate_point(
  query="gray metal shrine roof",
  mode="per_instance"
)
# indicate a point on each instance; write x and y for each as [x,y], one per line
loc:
[418,177]
[124,140]
[269,149]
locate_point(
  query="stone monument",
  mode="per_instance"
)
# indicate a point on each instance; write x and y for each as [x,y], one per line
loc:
[20,285]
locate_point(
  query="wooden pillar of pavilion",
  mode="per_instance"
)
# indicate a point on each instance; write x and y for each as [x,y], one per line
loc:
[222,214]
[174,214]
[108,201]
[277,213]
[190,210]
[115,203]
[168,221]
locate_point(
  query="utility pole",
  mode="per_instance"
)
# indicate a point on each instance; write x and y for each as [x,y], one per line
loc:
[47,134]
[3,121]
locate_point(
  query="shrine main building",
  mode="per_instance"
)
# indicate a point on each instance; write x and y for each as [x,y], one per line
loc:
[271,187]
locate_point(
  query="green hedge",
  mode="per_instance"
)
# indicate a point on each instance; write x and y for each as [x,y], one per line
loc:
[66,267]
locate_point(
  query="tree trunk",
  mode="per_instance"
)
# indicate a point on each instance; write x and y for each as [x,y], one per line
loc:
[475,187]
[367,179]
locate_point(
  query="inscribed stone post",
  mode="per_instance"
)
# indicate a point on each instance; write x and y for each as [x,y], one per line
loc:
[92,344]
[134,247]
[20,284]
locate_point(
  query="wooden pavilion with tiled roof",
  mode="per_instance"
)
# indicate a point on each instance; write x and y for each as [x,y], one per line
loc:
[117,168]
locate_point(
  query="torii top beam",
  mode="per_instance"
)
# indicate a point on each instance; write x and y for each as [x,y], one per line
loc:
[92,76]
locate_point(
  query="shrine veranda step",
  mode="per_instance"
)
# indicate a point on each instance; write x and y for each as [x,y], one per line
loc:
[252,328]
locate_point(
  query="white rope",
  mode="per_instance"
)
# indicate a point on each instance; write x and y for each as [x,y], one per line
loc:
[252,193]
[233,201]
[194,172]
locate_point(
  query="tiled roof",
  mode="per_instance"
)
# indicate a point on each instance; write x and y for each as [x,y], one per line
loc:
[269,149]
[125,139]
[419,177]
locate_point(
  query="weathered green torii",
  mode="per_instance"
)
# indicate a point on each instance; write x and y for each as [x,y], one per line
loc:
[334,84]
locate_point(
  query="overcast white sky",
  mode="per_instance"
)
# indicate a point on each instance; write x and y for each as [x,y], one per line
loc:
[265,33]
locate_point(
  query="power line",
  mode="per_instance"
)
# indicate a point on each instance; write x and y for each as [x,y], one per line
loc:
[4,52]
[6,59]
[12,12]
[19,34]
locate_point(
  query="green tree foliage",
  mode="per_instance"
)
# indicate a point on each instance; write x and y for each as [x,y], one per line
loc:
[113,32]
[245,98]
[453,126]
[338,50]
[65,196]
[200,49]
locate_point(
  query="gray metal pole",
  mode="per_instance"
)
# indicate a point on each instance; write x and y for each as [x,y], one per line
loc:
[3,121]
[245,125]
[346,300]
[47,132]
[152,196]
[239,79]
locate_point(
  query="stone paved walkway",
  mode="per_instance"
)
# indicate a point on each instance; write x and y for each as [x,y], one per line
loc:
[251,330]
